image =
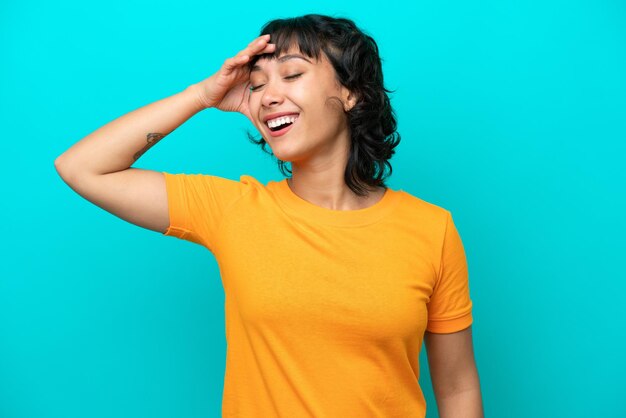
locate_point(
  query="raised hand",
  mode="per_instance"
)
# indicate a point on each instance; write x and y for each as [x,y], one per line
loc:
[227,88]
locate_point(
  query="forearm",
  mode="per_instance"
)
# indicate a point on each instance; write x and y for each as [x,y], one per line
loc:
[463,404]
[118,144]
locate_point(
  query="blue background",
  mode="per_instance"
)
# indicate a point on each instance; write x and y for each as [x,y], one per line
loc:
[512,116]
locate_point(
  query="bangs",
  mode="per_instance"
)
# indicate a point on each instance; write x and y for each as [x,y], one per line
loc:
[286,34]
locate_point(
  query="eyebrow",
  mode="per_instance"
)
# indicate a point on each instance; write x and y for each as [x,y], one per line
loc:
[281,60]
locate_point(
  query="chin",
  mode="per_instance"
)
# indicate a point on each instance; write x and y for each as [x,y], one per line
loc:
[280,147]
[284,154]
[293,152]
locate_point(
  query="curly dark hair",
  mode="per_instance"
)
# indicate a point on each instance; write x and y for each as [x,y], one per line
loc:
[355,58]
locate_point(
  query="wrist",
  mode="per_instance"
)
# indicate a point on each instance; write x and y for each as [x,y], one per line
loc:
[193,92]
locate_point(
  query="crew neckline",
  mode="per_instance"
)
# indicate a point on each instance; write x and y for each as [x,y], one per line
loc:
[303,209]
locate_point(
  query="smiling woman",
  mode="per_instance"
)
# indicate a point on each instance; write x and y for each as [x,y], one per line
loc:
[332,280]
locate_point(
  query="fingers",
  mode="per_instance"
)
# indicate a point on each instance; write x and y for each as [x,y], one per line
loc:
[265,37]
[231,63]
[260,45]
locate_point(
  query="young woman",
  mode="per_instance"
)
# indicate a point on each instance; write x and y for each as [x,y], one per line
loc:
[332,279]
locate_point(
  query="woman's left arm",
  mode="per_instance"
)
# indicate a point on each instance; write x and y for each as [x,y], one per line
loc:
[454,374]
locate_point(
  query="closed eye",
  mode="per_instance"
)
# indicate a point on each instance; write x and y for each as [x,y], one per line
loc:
[290,77]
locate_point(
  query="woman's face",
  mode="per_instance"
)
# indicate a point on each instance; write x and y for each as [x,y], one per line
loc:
[300,86]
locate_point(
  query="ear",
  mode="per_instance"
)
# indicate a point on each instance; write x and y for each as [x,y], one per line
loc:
[349,99]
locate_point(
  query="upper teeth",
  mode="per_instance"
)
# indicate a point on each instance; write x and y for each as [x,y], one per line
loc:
[272,123]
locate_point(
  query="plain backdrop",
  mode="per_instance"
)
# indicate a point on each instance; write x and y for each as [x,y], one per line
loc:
[512,116]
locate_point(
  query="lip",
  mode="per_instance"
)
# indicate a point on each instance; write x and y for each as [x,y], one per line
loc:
[277,115]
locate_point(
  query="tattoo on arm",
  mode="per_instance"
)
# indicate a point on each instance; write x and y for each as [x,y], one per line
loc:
[153,138]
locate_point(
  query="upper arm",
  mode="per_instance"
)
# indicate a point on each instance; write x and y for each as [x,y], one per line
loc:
[450,305]
[136,195]
[451,361]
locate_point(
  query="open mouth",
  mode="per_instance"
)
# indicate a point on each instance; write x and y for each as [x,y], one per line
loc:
[282,125]
[278,128]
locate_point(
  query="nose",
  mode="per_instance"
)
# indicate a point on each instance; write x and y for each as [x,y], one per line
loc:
[272,95]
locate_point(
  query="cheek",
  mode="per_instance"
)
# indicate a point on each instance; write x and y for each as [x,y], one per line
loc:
[310,97]
[253,101]
[253,108]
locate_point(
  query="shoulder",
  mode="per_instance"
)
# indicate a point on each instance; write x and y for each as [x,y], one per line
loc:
[422,210]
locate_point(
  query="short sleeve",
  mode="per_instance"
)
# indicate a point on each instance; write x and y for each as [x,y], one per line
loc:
[450,306]
[197,203]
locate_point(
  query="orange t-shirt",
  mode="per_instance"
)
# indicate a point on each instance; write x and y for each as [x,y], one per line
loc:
[325,309]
